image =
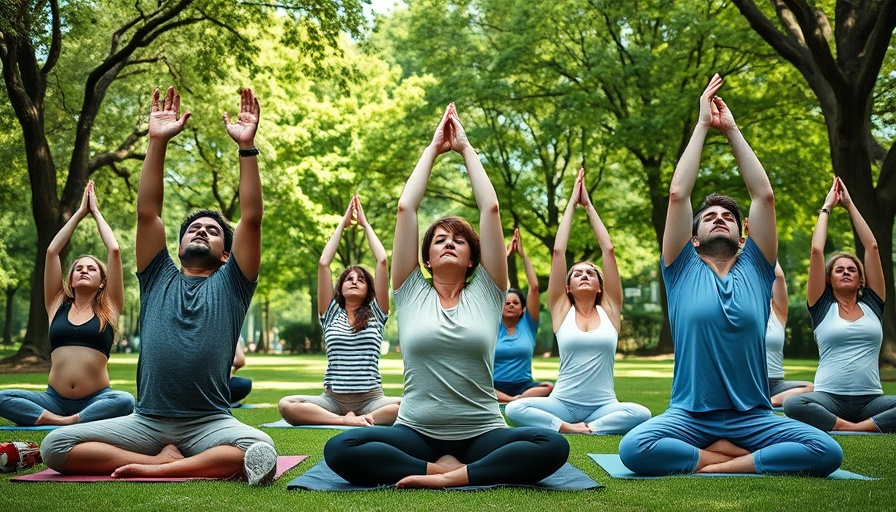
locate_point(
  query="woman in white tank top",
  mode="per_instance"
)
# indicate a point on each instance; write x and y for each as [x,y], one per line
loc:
[586,311]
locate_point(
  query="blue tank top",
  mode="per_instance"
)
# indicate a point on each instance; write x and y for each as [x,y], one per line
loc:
[63,333]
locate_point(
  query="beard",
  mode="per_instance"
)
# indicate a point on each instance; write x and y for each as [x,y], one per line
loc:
[718,247]
[198,255]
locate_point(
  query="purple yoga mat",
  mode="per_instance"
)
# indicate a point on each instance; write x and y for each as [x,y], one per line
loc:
[284,464]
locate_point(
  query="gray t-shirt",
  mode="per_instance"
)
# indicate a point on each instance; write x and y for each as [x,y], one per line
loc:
[189,328]
[449,358]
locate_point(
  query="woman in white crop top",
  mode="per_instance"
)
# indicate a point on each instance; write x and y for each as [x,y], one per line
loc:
[585,309]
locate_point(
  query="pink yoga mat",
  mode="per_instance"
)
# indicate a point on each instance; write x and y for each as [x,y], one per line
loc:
[284,464]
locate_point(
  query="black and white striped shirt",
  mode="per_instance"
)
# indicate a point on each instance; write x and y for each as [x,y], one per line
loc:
[352,357]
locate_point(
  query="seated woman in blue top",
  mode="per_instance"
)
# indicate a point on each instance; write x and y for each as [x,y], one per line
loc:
[516,337]
[779,389]
[353,316]
[83,308]
[449,430]
[846,305]
[586,310]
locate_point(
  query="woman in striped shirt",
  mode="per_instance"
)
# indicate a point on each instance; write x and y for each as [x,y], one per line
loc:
[353,316]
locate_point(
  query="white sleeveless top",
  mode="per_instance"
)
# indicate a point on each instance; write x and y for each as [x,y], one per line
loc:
[586,361]
[774,347]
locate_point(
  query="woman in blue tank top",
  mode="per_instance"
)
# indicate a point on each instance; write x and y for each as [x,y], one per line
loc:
[516,336]
[83,307]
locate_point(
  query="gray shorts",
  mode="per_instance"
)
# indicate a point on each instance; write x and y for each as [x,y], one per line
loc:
[149,434]
[343,403]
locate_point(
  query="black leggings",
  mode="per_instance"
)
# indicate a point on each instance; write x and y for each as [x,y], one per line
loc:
[385,455]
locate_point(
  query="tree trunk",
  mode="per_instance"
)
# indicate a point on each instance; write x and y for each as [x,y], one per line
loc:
[844,84]
[7,329]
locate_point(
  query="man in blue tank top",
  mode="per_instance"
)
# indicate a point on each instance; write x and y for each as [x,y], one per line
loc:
[190,321]
[720,418]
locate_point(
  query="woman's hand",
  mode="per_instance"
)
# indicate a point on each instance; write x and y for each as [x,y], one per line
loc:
[359,212]
[441,139]
[833,196]
[459,141]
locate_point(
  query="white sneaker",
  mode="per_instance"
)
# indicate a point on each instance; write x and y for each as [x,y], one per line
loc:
[260,464]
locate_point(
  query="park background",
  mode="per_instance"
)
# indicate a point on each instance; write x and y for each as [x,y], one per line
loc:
[350,95]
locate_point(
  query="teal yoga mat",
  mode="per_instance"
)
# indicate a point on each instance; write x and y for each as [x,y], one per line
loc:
[285,424]
[322,478]
[611,463]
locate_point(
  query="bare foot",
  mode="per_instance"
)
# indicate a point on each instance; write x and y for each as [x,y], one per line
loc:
[48,418]
[862,426]
[138,471]
[450,479]
[169,453]
[726,447]
[574,428]
[354,420]
[447,463]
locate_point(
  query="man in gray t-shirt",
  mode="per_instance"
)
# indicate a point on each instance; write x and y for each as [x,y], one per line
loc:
[191,319]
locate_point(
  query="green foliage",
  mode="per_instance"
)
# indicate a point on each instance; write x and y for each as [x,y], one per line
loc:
[295,333]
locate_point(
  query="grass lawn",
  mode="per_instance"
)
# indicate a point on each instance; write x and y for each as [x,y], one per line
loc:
[642,380]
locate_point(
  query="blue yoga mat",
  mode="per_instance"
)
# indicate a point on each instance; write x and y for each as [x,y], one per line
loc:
[611,463]
[285,424]
[849,433]
[322,478]
[32,427]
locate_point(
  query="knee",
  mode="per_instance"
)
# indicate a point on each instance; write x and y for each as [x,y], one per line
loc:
[638,412]
[795,405]
[337,451]
[126,403]
[514,409]
[634,451]
[54,449]
[829,455]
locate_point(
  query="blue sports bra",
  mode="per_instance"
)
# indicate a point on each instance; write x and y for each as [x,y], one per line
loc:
[63,333]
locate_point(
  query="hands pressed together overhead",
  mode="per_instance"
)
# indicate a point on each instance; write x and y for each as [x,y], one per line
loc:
[713,110]
[450,134]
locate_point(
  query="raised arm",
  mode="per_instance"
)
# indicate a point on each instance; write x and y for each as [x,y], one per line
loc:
[763,229]
[679,215]
[491,233]
[324,274]
[381,273]
[874,270]
[405,244]
[558,301]
[247,235]
[533,305]
[779,295]
[165,122]
[611,300]
[817,279]
[114,271]
[53,267]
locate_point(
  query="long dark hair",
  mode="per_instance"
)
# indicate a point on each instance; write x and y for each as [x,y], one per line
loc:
[363,313]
